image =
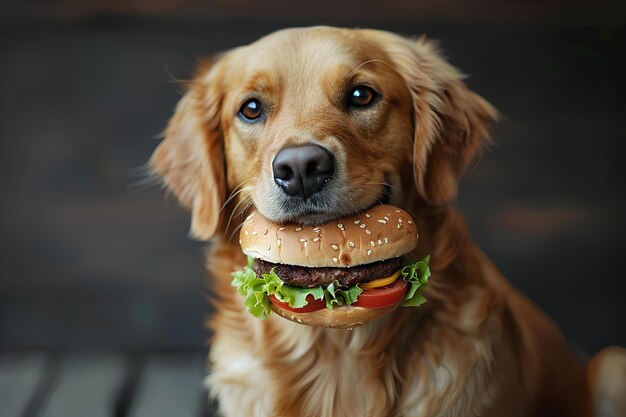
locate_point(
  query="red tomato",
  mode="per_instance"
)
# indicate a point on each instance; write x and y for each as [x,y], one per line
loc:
[313,304]
[384,296]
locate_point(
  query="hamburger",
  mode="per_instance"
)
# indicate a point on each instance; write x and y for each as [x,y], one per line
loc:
[341,274]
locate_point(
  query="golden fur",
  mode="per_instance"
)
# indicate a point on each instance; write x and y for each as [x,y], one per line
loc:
[478,347]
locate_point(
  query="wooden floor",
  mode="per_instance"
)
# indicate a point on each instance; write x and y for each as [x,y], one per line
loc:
[104,385]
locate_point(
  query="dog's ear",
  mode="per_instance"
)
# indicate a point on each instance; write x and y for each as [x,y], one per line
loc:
[451,122]
[190,159]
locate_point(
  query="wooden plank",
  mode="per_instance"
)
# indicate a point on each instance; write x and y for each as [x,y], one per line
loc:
[20,376]
[88,385]
[171,385]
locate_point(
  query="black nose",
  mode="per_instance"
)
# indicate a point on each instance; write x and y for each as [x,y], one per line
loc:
[303,170]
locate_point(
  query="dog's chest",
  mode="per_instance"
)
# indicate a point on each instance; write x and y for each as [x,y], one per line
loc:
[337,378]
[303,372]
[292,370]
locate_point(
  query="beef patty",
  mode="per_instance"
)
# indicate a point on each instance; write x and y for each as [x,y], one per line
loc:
[304,277]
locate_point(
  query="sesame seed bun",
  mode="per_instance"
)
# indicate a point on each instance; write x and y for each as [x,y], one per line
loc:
[340,317]
[380,233]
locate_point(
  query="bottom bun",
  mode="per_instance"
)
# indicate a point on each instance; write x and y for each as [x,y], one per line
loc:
[340,317]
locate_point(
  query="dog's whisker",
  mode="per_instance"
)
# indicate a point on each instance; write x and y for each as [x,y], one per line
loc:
[235,194]
[245,208]
[232,214]
[235,230]
[384,183]
[244,182]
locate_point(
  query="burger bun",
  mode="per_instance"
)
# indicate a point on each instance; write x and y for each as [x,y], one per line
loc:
[339,317]
[377,234]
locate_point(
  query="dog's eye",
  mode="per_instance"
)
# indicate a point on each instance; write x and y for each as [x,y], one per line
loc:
[251,110]
[361,96]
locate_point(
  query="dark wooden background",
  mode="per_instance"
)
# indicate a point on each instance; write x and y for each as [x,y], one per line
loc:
[93,259]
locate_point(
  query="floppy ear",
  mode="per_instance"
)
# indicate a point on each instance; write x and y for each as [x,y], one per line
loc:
[451,121]
[190,159]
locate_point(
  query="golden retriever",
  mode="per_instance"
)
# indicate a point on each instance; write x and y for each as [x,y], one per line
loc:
[401,126]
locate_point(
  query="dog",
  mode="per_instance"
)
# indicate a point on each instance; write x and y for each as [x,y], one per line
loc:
[398,125]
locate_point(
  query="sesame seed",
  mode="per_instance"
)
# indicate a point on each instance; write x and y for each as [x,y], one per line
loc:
[335,260]
[397,211]
[351,243]
[386,218]
[278,241]
[368,215]
[302,240]
[339,225]
[245,233]
[254,232]
[316,229]
[382,221]
[335,247]
[281,229]
[399,225]
[372,244]
[299,320]
[386,240]
[380,242]
[240,241]
[363,226]
[369,252]
[399,220]
[269,246]
[368,232]
[264,233]
[316,239]
[410,221]
[357,221]
[305,243]
[298,229]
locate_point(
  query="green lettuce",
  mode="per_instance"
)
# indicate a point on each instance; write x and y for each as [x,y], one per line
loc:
[416,274]
[338,296]
[256,290]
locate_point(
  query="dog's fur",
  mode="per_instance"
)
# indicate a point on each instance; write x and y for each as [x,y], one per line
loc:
[478,347]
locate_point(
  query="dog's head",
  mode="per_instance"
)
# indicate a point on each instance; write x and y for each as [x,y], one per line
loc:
[317,123]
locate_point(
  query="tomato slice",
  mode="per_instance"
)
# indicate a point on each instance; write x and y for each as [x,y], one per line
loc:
[313,304]
[384,296]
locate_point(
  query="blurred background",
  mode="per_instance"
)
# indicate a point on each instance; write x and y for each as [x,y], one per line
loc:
[95,261]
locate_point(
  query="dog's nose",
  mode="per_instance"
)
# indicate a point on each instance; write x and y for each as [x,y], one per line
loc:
[303,170]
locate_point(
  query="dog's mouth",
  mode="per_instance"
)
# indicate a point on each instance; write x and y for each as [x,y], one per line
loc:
[320,209]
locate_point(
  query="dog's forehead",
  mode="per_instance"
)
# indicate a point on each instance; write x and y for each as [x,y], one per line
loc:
[307,52]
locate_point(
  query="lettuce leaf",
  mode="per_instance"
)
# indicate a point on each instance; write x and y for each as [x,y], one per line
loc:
[338,296]
[416,274]
[294,296]
[256,290]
